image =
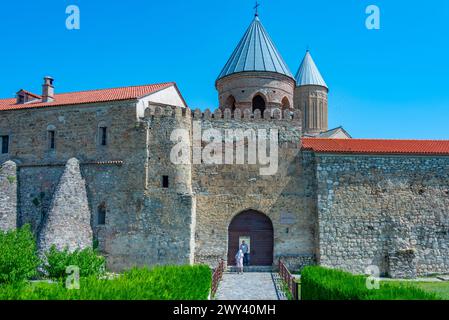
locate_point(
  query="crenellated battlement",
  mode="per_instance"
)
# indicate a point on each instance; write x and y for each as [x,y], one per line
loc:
[161,110]
[247,115]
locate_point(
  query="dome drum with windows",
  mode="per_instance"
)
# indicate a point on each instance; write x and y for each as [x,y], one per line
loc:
[255,75]
[257,78]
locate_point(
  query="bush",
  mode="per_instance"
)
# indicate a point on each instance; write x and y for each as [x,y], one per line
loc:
[87,260]
[30,291]
[159,283]
[319,283]
[18,255]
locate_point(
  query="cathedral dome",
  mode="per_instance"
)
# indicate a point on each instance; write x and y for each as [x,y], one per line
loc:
[255,52]
[255,76]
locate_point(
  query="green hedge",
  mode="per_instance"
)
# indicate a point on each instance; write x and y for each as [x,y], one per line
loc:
[87,260]
[159,283]
[18,255]
[319,283]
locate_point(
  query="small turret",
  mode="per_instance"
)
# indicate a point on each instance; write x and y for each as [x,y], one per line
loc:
[311,97]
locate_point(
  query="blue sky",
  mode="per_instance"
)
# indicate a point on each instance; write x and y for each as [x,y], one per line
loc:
[387,83]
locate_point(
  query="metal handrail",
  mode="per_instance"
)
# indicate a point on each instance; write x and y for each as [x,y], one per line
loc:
[289,279]
[217,276]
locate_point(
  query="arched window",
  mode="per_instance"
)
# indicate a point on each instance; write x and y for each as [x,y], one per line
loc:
[230,103]
[285,103]
[259,104]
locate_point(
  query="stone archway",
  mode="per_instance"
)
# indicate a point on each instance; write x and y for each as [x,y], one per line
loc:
[256,227]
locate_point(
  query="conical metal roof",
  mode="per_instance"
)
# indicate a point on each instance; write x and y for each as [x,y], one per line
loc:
[308,73]
[255,52]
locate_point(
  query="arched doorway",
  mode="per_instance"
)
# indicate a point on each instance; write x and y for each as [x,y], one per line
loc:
[257,229]
[259,104]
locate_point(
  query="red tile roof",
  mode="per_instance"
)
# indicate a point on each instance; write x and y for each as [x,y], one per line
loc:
[375,146]
[91,96]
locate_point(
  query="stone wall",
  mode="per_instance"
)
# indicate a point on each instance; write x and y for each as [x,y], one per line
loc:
[8,196]
[386,211]
[224,191]
[164,221]
[114,174]
[295,263]
[342,211]
[37,187]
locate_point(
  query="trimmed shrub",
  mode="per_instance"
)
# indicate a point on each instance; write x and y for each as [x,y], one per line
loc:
[319,283]
[159,283]
[18,255]
[87,260]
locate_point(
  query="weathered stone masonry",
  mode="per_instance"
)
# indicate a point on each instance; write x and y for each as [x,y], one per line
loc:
[8,195]
[67,224]
[387,211]
[139,229]
[223,191]
[111,159]
[345,211]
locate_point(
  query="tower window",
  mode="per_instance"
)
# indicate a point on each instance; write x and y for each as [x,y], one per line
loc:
[230,103]
[103,136]
[101,214]
[285,103]
[164,181]
[51,139]
[5,144]
[259,104]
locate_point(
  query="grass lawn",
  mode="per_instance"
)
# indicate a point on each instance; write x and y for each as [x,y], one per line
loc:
[321,283]
[439,288]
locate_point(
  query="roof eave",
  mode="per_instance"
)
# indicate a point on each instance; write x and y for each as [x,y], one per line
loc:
[421,154]
[255,71]
[311,85]
[30,106]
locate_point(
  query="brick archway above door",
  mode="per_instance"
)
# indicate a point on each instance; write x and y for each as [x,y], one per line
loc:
[259,229]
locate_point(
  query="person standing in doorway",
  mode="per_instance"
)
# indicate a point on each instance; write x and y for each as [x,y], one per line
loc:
[239,261]
[245,249]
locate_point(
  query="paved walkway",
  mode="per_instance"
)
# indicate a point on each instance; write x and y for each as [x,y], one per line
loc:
[247,286]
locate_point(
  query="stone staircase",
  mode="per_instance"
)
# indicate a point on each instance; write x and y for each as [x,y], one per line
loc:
[251,269]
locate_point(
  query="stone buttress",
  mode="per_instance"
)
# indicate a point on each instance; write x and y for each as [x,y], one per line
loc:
[68,223]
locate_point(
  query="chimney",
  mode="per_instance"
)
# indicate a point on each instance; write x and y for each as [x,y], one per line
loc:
[48,91]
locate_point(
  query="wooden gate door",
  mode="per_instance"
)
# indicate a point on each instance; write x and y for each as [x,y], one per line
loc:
[258,228]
